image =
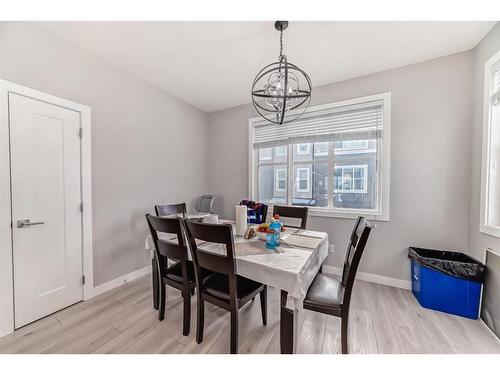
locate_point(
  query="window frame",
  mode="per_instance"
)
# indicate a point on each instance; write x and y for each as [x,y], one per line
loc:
[381,213]
[484,226]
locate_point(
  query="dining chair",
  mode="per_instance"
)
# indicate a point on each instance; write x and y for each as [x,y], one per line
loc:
[171,209]
[206,204]
[181,274]
[330,296]
[293,212]
[163,210]
[224,288]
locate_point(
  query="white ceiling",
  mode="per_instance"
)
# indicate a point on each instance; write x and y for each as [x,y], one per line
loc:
[212,64]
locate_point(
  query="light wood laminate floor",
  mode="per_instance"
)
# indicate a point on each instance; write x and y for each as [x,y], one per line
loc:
[382,320]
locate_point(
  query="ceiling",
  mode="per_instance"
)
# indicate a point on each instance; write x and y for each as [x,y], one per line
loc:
[212,64]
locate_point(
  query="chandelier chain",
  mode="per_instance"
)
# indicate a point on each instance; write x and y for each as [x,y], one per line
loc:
[281,43]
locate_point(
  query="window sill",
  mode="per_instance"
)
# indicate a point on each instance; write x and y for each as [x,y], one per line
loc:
[347,214]
[340,214]
[490,230]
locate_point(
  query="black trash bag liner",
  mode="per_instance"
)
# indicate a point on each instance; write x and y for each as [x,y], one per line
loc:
[449,262]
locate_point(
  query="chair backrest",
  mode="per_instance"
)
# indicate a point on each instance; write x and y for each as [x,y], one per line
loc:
[206,203]
[293,212]
[264,213]
[355,248]
[221,234]
[171,209]
[167,250]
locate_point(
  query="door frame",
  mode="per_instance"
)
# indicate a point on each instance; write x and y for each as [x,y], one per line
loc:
[6,249]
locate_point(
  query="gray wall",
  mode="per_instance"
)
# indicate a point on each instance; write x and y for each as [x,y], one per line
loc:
[430,160]
[484,50]
[147,146]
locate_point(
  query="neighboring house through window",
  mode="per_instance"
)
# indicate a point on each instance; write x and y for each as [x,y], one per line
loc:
[303,148]
[320,149]
[280,151]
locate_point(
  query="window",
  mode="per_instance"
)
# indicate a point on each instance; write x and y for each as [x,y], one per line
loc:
[333,159]
[280,151]
[280,179]
[351,179]
[265,154]
[303,180]
[490,180]
[320,149]
[303,148]
[354,145]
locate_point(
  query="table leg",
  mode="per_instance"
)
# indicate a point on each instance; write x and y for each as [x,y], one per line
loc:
[156,291]
[288,327]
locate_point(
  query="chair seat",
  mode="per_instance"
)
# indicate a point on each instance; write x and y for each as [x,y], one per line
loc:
[324,295]
[175,272]
[217,286]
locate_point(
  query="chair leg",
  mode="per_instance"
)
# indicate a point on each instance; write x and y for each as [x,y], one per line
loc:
[343,332]
[234,331]
[187,313]
[263,305]
[155,281]
[161,302]
[200,319]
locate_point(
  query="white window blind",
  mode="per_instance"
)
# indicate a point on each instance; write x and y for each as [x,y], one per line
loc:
[356,121]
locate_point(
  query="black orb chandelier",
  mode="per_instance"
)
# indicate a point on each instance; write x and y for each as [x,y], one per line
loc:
[281,87]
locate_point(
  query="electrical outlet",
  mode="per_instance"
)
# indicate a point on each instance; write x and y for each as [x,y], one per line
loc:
[330,249]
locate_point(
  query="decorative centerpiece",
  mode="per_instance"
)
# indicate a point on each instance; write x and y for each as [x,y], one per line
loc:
[271,232]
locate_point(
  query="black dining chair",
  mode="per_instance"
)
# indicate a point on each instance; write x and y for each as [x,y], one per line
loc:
[163,210]
[329,296]
[180,275]
[224,288]
[293,212]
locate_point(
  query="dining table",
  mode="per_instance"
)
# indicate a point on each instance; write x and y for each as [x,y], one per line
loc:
[290,268]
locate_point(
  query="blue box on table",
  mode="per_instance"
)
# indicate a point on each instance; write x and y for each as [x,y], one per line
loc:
[446,281]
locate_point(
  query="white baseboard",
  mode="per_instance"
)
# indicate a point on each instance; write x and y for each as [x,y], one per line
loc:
[99,289]
[378,279]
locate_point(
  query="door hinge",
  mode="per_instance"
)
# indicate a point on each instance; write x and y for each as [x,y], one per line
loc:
[83,279]
[80,133]
[81,207]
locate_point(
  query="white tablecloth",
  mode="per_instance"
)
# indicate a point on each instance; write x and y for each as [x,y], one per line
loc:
[293,270]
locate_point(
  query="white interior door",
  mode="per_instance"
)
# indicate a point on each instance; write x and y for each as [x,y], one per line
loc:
[46,217]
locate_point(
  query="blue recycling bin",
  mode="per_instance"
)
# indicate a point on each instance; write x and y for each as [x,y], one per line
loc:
[446,281]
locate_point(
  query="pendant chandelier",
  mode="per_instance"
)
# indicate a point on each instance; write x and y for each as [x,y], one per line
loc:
[281,87]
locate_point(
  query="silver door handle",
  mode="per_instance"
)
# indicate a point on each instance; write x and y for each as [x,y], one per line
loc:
[26,223]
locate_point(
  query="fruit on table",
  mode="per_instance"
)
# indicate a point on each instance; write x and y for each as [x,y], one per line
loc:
[265,226]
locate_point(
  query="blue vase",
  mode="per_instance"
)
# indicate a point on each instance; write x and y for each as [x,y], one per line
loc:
[276,227]
[270,241]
